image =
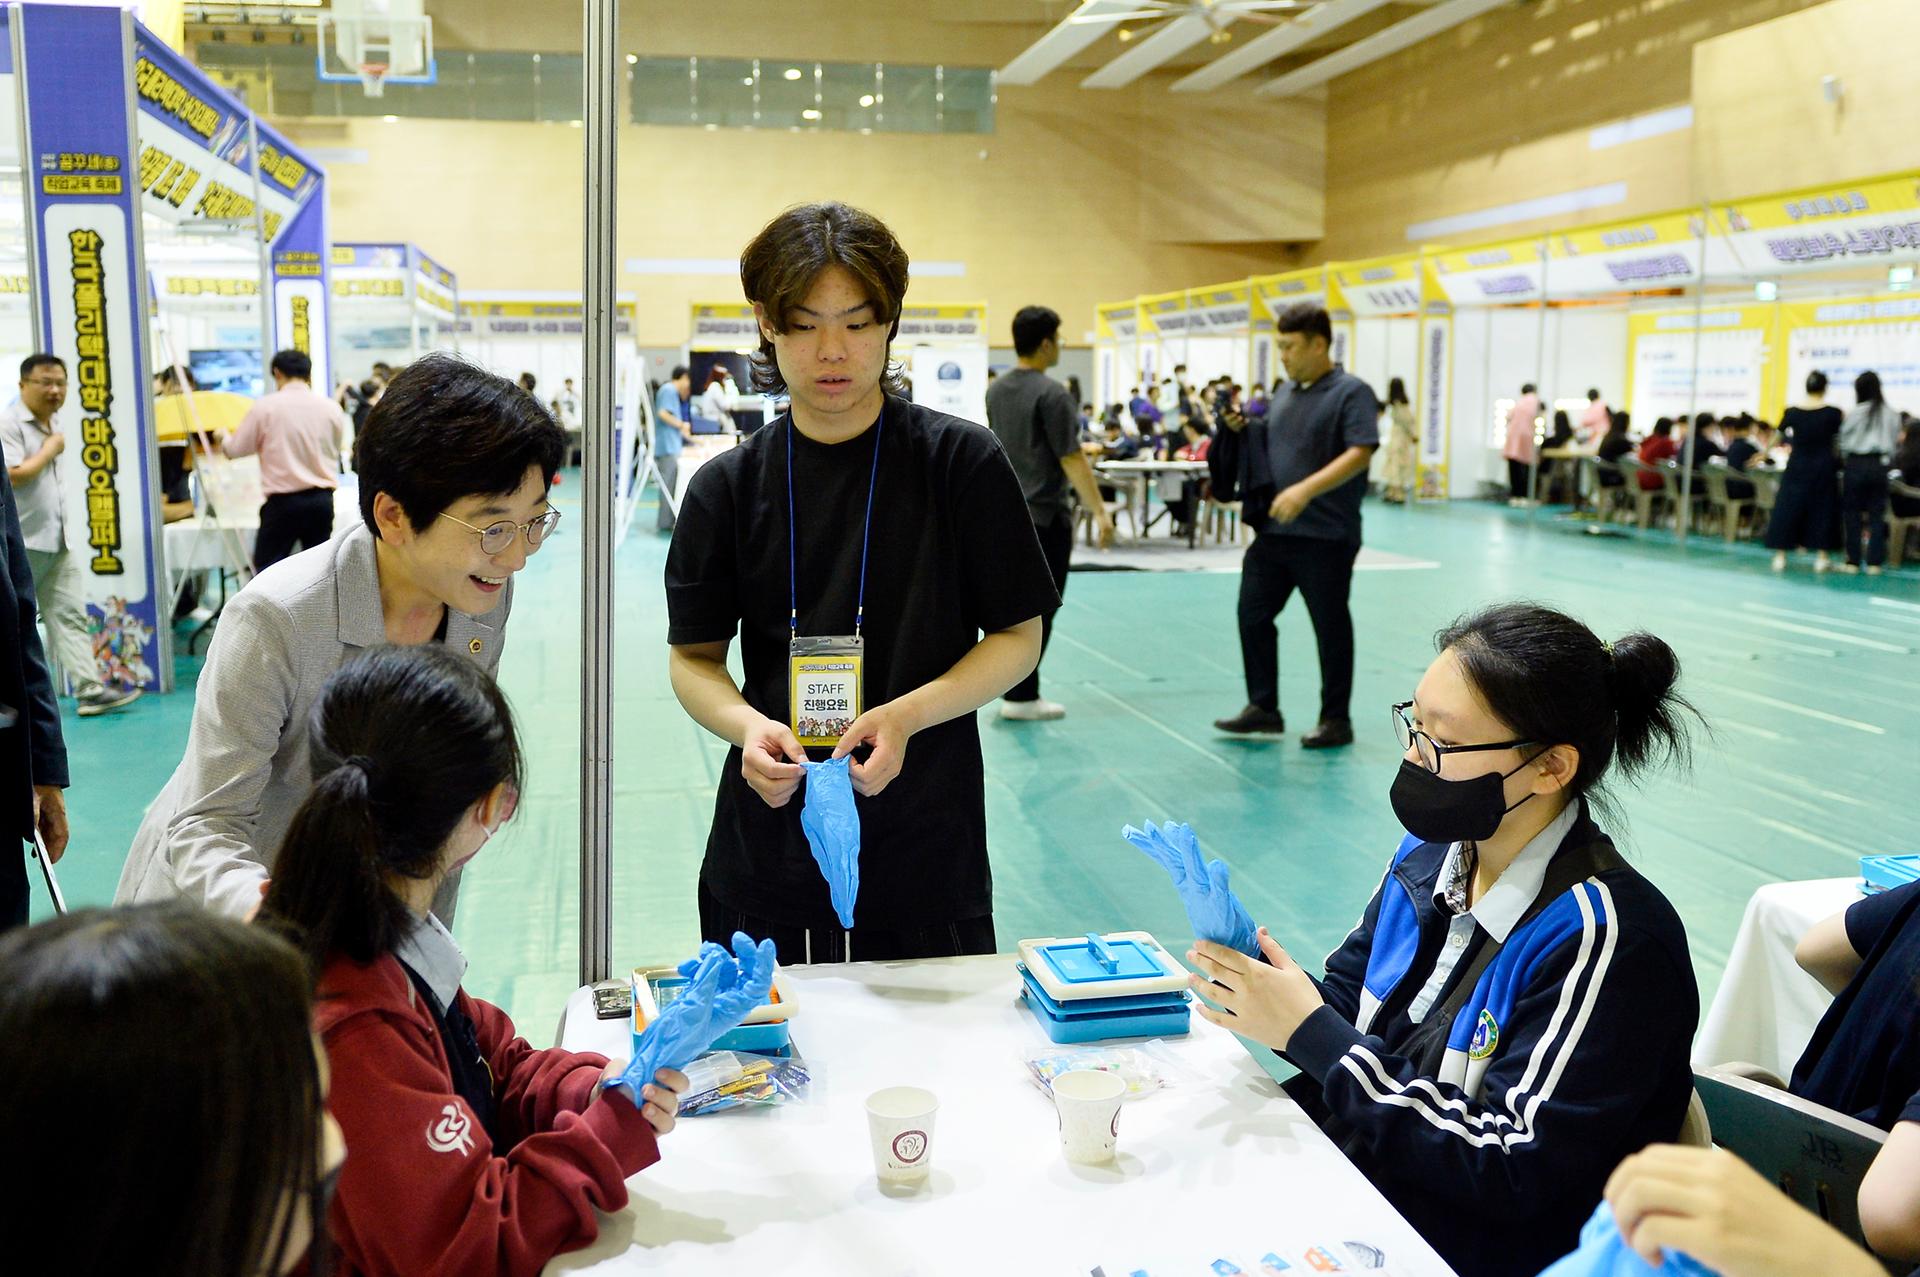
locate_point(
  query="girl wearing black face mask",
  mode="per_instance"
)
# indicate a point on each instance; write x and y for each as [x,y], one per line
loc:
[1512,1015]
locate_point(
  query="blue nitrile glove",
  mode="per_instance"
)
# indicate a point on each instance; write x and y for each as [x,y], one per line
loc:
[832,825]
[1604,1253]
[722,989]
[1215,912]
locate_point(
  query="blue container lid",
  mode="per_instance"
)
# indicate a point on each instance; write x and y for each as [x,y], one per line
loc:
[1095,961]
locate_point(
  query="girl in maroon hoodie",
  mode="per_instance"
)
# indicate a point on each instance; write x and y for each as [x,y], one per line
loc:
[470,1152]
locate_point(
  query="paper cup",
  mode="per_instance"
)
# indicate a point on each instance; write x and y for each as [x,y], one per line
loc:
[900,1120]
[1088,1103]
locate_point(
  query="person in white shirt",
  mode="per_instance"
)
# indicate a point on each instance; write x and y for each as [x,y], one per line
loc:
[717,399]
[34,446]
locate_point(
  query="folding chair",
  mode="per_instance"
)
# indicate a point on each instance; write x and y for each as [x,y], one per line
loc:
[1732,509]
[1814,1155]
[1898,526]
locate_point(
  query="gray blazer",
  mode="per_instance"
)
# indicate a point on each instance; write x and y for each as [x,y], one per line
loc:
[213,832]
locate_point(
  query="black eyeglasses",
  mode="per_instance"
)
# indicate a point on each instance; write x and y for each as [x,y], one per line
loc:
[1431,755]
[496,537]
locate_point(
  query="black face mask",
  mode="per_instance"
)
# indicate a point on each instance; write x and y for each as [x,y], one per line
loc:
[1450,811]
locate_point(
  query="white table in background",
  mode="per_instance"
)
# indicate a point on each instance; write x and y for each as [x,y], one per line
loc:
[1767,1007]
[1138,476]
[1220,1165]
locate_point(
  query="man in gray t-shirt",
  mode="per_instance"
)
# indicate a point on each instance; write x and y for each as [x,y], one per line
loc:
[1038,424]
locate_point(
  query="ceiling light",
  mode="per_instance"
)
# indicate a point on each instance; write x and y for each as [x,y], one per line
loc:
[1125,35]
[747,80]
[391,119]
[632,58]
[792,73]
[809,114]
[866,99]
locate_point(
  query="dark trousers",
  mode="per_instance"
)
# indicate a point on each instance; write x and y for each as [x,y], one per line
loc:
[1323,573]
[289,517]
[1056,542]
[13,890]
[797,944]
[1517,479]
[1863,508]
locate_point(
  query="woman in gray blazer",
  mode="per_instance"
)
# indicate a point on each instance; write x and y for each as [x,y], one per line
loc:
[455,465]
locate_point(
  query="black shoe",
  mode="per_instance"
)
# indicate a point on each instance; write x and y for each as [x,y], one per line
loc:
[1253,719]
[1330,733]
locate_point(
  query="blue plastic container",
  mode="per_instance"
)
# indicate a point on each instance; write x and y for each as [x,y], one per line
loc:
[1884,873]
[1155,1015]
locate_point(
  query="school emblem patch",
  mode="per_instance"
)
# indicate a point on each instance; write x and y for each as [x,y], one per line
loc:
[1486,1036]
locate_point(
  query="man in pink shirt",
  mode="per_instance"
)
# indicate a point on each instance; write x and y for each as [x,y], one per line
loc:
[297,433]
[1521,424]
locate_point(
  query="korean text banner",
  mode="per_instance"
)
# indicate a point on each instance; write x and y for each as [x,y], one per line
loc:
[81,192]
[300,258]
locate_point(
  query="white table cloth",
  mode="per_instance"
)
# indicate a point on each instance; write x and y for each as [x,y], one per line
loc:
[1220,1166]
[1767,1007]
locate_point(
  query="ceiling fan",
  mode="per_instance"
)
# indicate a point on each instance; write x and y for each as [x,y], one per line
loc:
[1219,15]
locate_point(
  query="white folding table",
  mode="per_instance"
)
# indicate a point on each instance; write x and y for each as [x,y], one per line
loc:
[1219,1166]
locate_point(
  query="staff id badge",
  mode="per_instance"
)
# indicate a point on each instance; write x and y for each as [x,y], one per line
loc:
[825,686]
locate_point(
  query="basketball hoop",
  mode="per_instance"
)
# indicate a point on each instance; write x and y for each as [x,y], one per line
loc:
[373,78]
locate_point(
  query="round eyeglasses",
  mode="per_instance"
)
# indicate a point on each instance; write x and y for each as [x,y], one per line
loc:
[495,538]
[1432,755]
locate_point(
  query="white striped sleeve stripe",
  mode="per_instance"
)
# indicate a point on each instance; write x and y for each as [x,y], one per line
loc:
[1453,1115]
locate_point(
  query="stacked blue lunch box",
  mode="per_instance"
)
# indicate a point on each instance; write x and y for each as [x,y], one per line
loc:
[1122,985]
[1884,873]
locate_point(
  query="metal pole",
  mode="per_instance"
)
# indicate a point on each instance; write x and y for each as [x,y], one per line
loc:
[600,118]
[1681,517]
[1539,386]
[267,349]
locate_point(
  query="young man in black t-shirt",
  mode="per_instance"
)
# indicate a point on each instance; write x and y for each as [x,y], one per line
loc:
[856,513]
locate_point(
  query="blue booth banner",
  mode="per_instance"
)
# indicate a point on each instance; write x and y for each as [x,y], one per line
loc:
[81,194]
[117,125]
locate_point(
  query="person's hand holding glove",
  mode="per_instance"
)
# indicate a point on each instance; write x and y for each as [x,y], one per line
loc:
[722,989]
[1215,912]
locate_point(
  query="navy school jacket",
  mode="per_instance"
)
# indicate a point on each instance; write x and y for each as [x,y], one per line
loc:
[1570,1054]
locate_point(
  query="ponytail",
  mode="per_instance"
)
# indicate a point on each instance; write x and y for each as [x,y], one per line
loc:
[404,741]
[1649,709]
[330,879]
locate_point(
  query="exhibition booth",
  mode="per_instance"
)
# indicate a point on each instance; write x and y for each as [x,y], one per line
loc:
[391,304]
[1724,309]
[163,223]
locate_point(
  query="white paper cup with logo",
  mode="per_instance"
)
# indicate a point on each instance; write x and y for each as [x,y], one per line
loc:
[900,1120]
[1088,1103]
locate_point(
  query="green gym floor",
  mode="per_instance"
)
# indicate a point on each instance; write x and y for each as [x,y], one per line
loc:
[1809,684]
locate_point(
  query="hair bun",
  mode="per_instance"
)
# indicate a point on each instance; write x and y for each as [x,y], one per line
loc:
[1644,675]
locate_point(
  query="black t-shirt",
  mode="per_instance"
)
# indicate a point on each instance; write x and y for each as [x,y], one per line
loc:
[954,554]
[1811,432]
[1306,428]
[1864,1058]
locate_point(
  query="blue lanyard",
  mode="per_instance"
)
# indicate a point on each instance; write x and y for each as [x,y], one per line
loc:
[793,535]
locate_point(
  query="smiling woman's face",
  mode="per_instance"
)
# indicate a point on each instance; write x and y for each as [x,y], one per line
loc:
[445,560]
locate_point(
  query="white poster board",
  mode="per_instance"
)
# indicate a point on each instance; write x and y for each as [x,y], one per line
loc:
[950,379]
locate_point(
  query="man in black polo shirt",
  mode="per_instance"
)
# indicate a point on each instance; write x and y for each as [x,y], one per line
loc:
[1301,474]
[862,529]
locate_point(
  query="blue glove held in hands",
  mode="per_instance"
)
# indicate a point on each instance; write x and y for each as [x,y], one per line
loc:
[832,826]
[722,989]
[1604,1253]
[1215,912]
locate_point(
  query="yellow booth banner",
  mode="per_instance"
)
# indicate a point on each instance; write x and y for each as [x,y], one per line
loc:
[1226,309]
[1492,275]
[1383,286]
[1845,337]
[1274,293]
[1165,312]
[1736,346]
[1853,223]
[723,326]
[956,322]
[1649,253]
[1117,321]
